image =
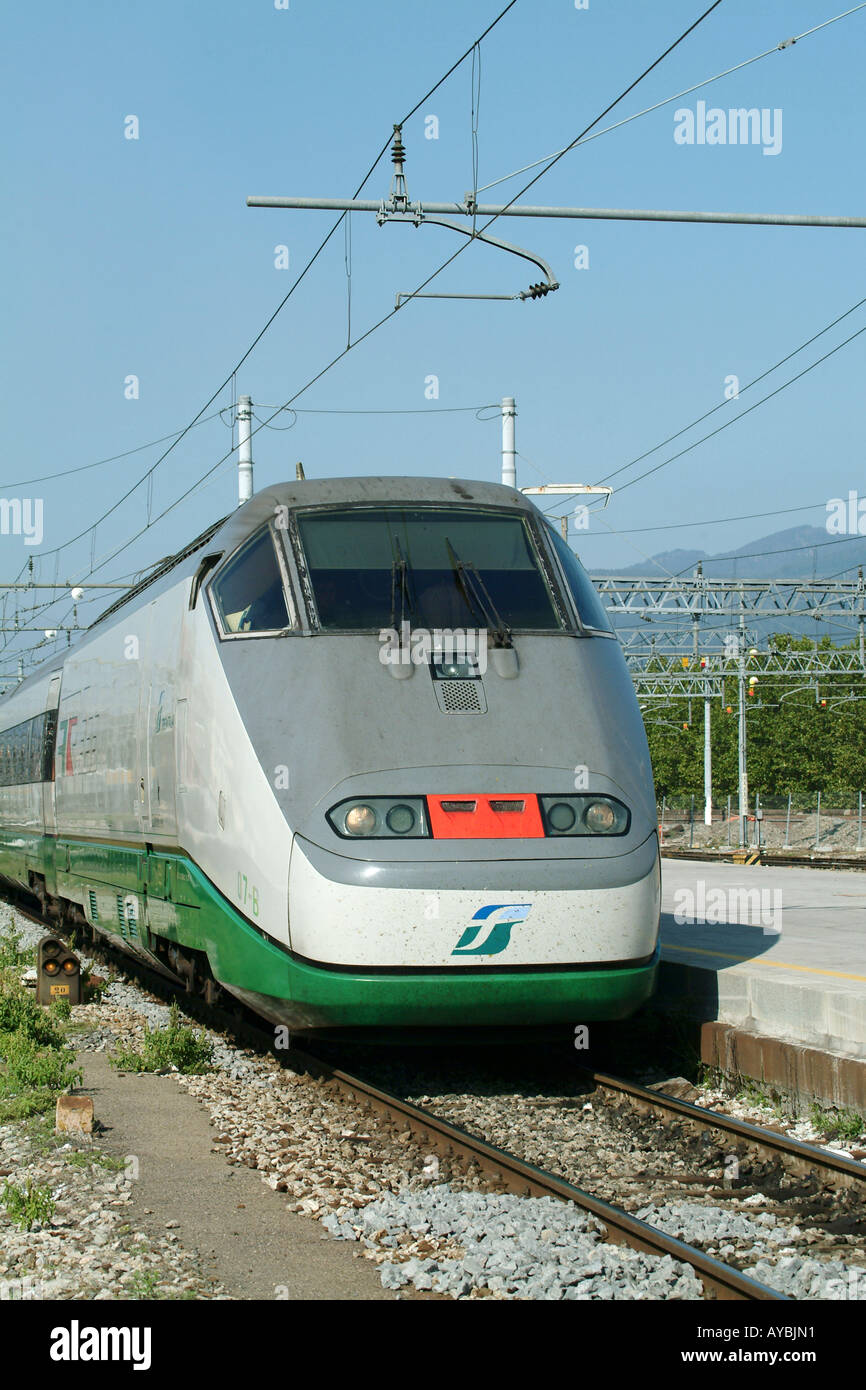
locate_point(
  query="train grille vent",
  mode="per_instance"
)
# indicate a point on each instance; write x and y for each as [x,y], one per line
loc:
[126,920]
[461,697]
[94,912]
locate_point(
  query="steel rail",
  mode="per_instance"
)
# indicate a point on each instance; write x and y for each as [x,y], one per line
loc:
[526,1179]
[805,1158]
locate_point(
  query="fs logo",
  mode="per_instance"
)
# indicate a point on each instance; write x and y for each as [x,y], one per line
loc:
[499,934]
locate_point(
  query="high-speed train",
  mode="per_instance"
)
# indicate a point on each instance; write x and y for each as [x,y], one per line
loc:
[366,754]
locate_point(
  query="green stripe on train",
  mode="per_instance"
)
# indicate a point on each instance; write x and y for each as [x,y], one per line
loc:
[139,895]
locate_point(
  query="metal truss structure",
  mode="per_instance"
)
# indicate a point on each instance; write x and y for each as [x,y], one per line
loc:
[700,595]
[675,632]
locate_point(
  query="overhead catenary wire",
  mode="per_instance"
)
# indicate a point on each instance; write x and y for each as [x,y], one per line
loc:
[307,267]
[596,505]
[785,550]
[687,91]
[422,100]
[742,391]
[741,416]
[719,520]
[430,410]
[459,251]
[113,458]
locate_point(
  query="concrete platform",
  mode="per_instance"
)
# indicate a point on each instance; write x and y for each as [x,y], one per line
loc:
[772,954]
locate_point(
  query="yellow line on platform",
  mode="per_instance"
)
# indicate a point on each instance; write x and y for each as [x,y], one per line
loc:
[761,960]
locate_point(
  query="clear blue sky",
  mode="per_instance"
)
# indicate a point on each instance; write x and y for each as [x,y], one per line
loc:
[140,257]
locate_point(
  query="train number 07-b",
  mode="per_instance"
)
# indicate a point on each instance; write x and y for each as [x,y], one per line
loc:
[248,893]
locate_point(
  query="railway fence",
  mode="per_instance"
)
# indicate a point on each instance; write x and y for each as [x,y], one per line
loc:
[796,821]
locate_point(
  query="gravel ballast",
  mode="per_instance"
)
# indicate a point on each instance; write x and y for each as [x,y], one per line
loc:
[518,1247]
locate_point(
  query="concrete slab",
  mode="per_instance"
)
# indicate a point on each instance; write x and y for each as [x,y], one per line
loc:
[777,952]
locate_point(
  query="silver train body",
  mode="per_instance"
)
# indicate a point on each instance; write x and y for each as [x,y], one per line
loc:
[259,772]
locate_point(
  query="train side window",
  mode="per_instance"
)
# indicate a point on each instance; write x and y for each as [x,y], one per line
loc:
[25,750]
[248,594]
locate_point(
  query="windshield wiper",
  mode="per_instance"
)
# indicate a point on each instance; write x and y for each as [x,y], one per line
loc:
[475,592]
[400,576]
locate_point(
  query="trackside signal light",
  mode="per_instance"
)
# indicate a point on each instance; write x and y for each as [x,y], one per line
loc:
[58,972]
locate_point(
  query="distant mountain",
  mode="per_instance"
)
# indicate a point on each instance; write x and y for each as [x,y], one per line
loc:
[801,552]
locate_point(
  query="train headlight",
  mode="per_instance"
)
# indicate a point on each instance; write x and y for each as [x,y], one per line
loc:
[361,820]
[400,819]
[600,817]
[381,818]
[584,815]
[561,816]
[454,670]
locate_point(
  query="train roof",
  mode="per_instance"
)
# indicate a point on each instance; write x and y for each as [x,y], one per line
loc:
[322,492]
[227,534]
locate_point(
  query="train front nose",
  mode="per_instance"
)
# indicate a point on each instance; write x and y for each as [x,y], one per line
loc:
[445,878]
[509,913]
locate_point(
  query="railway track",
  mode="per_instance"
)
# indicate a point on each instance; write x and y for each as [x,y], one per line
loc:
[769,858]
[835,1169]
[508,1170]
[525,1179]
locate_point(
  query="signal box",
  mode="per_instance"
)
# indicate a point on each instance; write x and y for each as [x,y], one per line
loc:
[58,972]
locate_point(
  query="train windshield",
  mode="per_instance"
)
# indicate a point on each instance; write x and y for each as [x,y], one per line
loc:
[375,567]
[586,600]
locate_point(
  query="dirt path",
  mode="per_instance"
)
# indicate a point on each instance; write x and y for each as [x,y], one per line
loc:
[242,1231]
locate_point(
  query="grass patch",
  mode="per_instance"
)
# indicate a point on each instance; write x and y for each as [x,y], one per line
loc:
[27,1205]
[24,1107]
[837,1124]
[46,1141]
[21,1016]
[92,1158]
[61,1010]
[753,1093]
[35,1062]
[144,1285]
[175,1047]
[29,1067]
[14,956]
